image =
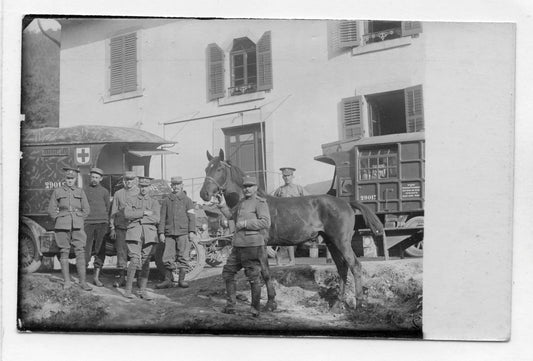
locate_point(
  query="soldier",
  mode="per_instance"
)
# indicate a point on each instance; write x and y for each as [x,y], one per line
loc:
[176,229]
[252,221]
[97,222]
[142,214]
[118,224]
[289,189]
[68,207]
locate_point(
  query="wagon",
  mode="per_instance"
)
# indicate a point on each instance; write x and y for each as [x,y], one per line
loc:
[386,173]
[46,151]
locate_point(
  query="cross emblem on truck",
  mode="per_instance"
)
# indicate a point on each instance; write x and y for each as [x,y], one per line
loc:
[83,155]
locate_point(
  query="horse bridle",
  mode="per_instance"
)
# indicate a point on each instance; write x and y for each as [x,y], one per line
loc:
[221,188]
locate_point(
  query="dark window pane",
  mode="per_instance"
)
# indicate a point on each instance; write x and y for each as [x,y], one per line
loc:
[238,60]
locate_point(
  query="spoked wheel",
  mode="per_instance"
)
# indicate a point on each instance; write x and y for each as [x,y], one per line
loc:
[196,261]
[215,256]
[29,258]
[416,250]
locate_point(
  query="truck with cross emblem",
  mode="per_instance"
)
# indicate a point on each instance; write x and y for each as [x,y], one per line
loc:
[44,153]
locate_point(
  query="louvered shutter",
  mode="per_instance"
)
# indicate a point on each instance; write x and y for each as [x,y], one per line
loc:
[215,72]
[264,62]
[348,33]
[123,64]
[351,117]
[411,27]
[414,109]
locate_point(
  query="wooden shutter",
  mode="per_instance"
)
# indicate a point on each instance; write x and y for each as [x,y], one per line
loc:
[215,72]
[123,64]
[351,109]
[414,109]
[411,27]
[348,33]
[264,62]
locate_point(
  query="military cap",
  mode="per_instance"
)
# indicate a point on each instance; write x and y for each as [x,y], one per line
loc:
[249,181]
[129,175]
[176,180]
[71,172]
[97,171]
[145,181]
[287,170]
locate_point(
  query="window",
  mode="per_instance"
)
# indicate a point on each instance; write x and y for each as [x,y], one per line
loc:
[243,67]
[250,67]
[123,67]
[393,112]
[379,163]
[346,34]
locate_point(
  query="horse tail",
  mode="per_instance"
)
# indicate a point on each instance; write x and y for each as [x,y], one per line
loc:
[371,220]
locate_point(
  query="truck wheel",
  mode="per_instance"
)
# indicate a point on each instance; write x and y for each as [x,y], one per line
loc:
[196,261]
[416,250]
[29,258]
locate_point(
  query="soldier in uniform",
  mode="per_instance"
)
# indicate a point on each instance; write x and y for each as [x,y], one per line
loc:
[142,214]
[97,222]
[252,221]
[289,189]
[176,229]
[69,207]
[118,224]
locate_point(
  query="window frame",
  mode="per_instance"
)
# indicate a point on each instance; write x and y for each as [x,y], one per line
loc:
[245,65]
[139,89]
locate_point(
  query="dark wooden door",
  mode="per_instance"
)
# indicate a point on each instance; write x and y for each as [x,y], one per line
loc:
[244,148]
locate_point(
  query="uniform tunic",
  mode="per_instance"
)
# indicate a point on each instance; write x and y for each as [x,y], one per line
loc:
[249,242]
[68,206]
[96,223]
[119,222]
[141,232]
[290,190]
[178,219]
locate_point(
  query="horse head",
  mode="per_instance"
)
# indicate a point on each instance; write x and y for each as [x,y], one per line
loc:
[221,177]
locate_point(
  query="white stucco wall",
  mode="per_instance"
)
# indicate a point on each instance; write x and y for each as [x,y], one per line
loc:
[300,113]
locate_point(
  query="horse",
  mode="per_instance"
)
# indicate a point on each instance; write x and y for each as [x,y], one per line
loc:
[297,220]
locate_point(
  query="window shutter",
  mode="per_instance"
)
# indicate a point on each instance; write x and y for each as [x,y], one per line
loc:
[348,33]
[414,109]
[123,64]
[411,27]
[351,117]
[264,62]
[215,72]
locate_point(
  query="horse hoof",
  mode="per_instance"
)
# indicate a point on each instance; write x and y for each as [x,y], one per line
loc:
[337,307]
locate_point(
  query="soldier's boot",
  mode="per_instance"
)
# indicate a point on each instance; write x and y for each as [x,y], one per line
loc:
[143,281]
[231,297]
[129,280]
[256,298]
[181,281]
[121,282]
[96,278]
[167,283]
[65,272]
[271,304]
[82,272]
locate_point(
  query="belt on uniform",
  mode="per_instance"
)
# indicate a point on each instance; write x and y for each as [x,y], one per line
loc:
[70,209]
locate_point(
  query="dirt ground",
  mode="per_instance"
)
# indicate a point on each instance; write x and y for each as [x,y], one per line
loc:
[391,306]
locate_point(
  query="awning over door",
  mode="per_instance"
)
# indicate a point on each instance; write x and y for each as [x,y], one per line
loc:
[147,153]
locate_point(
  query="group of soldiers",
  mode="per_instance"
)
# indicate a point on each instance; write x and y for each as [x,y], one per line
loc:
[139,224]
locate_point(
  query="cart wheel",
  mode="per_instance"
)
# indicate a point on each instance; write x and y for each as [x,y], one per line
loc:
[196,261]
[29,258]
[217,256]
[416,250]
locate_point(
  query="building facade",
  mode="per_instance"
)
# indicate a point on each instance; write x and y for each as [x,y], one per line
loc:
[267,92]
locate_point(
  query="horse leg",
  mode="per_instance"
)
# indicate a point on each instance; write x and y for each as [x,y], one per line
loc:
[355,267]
[341,269]
[271,304]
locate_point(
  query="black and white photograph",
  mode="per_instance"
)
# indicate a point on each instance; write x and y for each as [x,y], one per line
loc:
[280,178]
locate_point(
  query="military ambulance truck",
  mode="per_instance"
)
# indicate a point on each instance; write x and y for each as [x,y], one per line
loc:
[46,151]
